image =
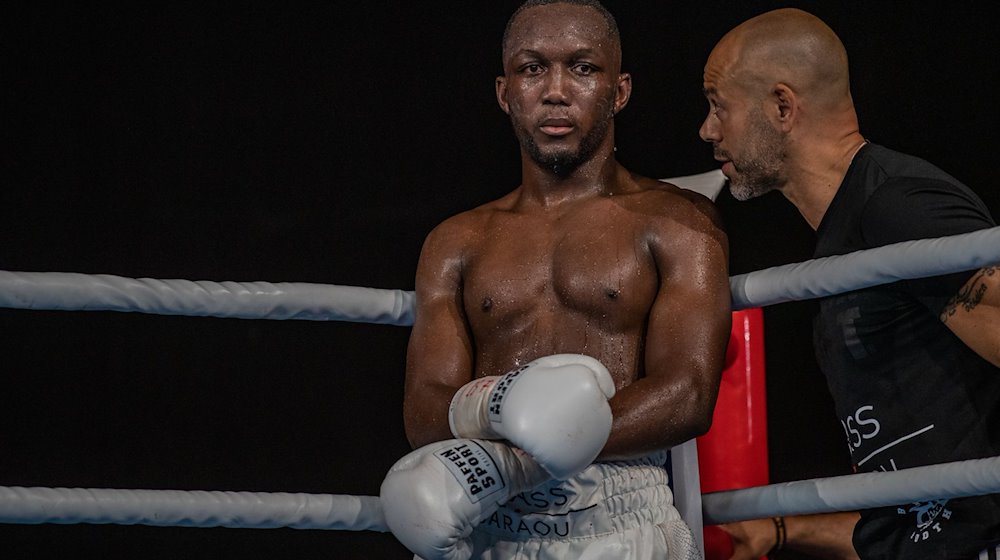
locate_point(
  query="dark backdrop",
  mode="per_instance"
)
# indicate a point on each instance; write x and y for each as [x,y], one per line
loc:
[320,143]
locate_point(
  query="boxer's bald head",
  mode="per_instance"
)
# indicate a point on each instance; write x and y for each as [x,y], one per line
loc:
[611,26]
[785,46]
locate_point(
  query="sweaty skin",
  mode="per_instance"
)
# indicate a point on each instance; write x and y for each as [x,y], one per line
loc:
[582,257]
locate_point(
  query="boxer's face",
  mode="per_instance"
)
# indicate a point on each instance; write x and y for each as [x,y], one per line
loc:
[749,146]
[561,84]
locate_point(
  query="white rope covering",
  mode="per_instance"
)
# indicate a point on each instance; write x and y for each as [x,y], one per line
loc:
[261,510]
[69,291]
[856,491]
[861,269]
[708,184]
[185,508]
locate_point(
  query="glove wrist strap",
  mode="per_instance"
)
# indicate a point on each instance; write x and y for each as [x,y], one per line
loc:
[468,416]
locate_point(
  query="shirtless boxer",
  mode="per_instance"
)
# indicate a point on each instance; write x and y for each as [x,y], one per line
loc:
[624,278]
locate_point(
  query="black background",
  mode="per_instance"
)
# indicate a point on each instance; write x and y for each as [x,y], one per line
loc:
[320,143]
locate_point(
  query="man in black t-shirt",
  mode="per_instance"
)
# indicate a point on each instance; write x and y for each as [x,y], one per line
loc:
[913,366]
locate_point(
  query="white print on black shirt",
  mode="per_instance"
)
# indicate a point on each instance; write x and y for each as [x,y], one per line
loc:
[860,426]
[929,516]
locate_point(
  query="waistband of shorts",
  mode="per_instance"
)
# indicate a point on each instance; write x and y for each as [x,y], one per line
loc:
[604,498]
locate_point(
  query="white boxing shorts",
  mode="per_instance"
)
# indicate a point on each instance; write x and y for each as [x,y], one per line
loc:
[616,511]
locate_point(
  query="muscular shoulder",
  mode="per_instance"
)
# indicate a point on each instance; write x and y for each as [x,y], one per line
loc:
[684,235]
[675,208]
[453,237]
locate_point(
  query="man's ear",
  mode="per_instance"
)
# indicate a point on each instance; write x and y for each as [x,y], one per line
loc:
[502,94]
[787,104]
[623,92]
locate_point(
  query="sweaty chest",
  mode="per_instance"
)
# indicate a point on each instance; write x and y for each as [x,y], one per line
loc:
[522,274]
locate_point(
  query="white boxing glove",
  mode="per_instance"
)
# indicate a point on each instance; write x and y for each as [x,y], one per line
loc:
[555,408]
[435,496]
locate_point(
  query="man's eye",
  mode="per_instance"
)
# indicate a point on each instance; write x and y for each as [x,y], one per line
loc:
[533,68]
[584,69]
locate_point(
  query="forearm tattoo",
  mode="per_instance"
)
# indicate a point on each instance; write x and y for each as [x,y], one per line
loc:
[970,295]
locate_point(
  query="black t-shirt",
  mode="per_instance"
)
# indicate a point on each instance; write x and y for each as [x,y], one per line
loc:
[907,391]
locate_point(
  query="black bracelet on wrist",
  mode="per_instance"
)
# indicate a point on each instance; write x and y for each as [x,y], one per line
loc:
[779,536]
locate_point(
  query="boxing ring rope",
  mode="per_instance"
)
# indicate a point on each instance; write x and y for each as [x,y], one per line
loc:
[191,508]
[829,276]
[262,300]
[320,302]
[855,491]
[69,291]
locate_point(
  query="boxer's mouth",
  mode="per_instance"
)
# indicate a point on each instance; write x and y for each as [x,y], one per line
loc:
[556,127]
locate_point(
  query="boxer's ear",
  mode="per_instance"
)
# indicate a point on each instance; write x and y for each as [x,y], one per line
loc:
[623,92]
[501,86]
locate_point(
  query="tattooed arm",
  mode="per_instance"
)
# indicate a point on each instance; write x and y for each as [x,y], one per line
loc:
[974,314]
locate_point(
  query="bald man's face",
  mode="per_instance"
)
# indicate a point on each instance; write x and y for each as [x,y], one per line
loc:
[561,84]
[750,147]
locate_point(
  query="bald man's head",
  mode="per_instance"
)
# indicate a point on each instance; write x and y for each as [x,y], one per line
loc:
[780,110]
[786,46]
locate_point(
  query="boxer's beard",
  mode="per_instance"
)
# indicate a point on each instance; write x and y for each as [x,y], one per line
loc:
[563,162]
[758,170]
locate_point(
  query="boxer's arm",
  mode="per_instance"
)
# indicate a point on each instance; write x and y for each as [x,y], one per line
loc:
[439,358]
[974,314]
[687,333]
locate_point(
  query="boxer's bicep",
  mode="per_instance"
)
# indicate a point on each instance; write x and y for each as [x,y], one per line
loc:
[439,356]
[690,322]
[685,343]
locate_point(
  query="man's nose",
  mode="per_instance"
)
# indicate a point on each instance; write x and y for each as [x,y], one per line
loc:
[556,84]
[709,130]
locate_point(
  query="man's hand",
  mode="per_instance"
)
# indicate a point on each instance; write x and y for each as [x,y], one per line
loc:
[752,539]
